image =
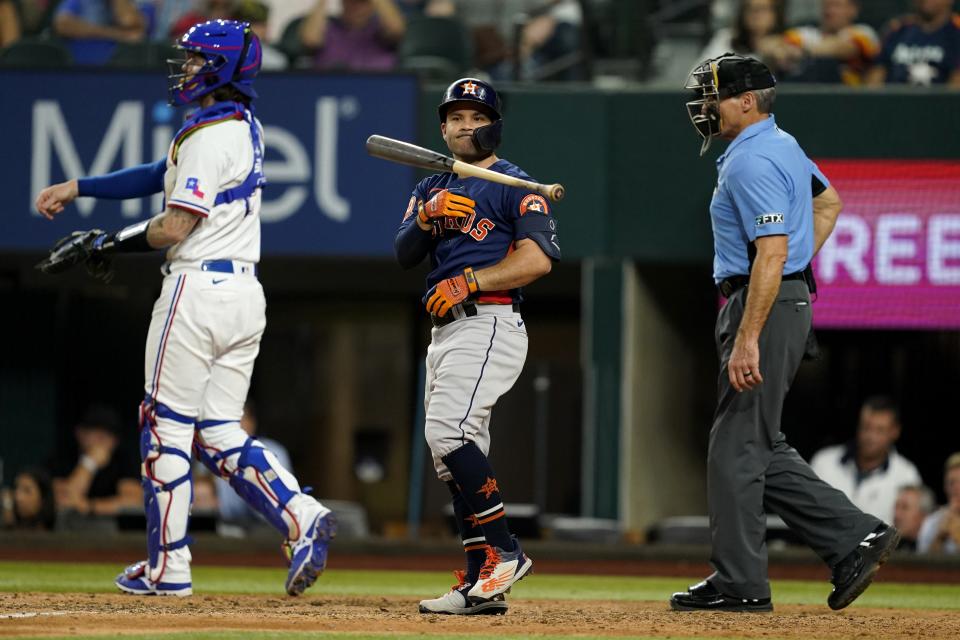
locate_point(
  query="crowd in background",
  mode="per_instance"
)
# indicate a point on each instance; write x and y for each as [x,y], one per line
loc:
[94,478]
[921,48]
[824,41]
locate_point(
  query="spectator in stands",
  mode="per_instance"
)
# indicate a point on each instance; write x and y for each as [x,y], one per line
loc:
[914,503]
[364,37]
[30,504]
[208,10]
[869,470]
[258,14]
[797,11]
[99,476]
[758,23]
[921,49]
[549,31]
[941,530]
[9,23]
[838,50]
[92,28]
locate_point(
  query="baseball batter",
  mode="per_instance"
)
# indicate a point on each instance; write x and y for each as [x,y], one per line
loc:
[485,242]
[206,326]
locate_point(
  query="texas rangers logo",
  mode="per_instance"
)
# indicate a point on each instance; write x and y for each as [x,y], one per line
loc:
[536,203]
[193,185]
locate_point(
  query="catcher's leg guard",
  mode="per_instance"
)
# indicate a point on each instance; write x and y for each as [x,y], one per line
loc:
[257,476]
[167,494]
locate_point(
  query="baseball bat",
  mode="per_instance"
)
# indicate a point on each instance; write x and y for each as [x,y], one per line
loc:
[411,154]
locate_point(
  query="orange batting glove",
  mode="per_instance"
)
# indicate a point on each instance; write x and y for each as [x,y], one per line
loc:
[451,291]
[443,204]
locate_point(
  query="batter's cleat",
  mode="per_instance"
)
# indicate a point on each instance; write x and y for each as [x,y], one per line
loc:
[134,580]
[308,556]
[706,597]
[455,602]
[852,575]
[500,571]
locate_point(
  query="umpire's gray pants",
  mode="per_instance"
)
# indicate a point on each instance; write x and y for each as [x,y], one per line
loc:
[752,470]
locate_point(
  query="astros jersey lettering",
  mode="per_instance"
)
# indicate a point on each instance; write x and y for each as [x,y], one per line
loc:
[503,216]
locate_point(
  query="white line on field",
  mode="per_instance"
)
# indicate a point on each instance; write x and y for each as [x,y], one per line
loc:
[33,614]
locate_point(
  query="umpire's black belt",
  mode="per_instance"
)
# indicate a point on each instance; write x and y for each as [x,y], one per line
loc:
[469,309]
[729,286]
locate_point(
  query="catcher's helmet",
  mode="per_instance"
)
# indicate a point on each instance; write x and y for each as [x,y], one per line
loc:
[232,55]
[476,93]
[718,79]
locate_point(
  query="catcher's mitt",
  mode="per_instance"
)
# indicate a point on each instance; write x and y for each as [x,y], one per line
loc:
[84,247]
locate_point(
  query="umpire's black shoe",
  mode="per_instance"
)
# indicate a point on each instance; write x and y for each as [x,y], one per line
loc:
[852,575]
[705,597]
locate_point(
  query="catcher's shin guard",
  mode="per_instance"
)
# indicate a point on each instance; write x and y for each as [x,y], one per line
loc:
[255,474]
[167,495]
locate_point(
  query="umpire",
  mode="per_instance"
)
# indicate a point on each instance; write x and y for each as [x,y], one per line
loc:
[771,212]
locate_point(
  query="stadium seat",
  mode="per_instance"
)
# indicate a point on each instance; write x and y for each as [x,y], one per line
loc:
[142,55]
[34,52]
[437,48]
[292,47]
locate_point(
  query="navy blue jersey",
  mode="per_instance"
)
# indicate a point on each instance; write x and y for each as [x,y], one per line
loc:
[503,215]
[913,56]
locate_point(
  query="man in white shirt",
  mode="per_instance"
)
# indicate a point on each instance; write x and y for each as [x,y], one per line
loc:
[868,469]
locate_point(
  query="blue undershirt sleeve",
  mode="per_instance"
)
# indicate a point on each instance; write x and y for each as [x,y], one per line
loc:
[135,182]
[412,244]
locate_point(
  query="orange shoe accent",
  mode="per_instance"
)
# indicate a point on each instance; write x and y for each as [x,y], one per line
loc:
[493,559]
[489,488]
[461,577]
[496,583]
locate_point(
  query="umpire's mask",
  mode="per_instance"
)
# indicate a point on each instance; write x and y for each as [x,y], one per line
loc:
[718,79]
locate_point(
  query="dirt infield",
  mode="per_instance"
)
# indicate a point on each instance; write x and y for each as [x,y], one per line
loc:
[82,614]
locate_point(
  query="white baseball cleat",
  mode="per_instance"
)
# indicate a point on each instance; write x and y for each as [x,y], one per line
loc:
[455,601]
[501,570]
[134,580]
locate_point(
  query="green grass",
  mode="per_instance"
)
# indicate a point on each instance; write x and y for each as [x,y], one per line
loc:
[62,578]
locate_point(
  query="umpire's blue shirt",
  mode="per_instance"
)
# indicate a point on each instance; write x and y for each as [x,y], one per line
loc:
[763,189]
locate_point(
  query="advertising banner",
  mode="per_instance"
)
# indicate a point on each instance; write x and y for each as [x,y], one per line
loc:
[325,195]
[893,260]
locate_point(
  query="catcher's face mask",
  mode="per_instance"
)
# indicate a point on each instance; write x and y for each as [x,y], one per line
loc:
[704,109]
[717,79]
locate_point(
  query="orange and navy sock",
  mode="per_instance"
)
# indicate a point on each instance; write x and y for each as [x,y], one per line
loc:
[474,542]
[478,485]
